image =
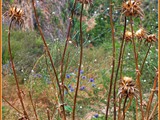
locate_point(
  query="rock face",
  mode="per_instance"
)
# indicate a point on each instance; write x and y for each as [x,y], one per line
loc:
[27,7]
[52,14]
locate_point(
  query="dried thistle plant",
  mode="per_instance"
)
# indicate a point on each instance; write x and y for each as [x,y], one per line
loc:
[127,87]
[17,15]
[132,8]
[141,34]
[85,1]
[151,38]
[128,36]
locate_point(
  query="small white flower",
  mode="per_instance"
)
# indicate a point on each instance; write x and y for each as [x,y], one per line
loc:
[70,42]
[80,107]
[129,53]
[25,79]
[32,71]
[144,80]
[107,8]
[53,13]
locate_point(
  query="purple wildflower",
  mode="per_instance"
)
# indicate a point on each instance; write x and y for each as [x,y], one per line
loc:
[71,89]
[93,85]
[37,75]
[96,115]
[69,86]
[91,80]
[81,71]
[68,76]
[82,88]
[83,77]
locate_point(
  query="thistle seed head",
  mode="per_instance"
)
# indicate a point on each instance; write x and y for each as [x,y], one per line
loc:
[151,38]
[132,8]
[127,87]
[17,15]
[128,36]
[141,33]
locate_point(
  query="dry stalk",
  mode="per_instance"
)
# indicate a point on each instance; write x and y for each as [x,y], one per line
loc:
[113,60]
[124,107]
[141,70]
[80,62]
[137,69]
[119,63]
[48,114]
[11,105]
[14,72]
[34,108]
[66,44]
[51,60]
[153,111]
[121,69]
[151,96]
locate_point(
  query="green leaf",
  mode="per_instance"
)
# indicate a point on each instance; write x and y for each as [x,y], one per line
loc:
[68,108]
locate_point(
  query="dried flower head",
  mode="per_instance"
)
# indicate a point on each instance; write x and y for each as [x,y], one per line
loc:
[128,36]
[17,15]
[132,8]
[85,1]
[127,87]
[151,38]
[141,33]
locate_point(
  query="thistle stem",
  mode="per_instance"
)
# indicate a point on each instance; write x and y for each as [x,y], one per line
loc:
[81,55]
[113,60]
[51,60]
[34,109]
[145,58]
[119,63]
[121,69]
[151,96]
[124,107]
[66,44]
[11,105]
[14,72]
[137,69]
